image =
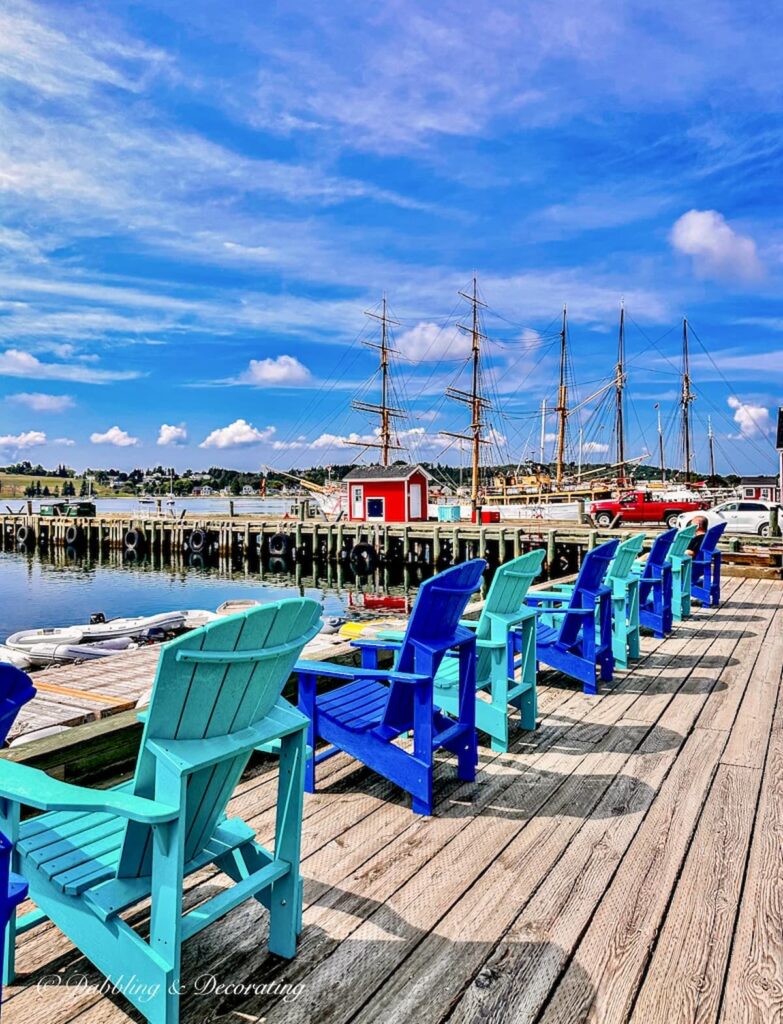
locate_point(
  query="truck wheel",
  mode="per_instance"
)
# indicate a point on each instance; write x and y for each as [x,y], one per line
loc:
[764,530]
[670,519]
[604,520]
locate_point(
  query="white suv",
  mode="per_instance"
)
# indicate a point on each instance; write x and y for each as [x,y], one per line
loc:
[741,516]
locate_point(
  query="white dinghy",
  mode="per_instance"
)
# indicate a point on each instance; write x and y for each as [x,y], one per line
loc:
[59,654]
[95,632]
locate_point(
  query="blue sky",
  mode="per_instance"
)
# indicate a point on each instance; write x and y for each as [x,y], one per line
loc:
[198,202]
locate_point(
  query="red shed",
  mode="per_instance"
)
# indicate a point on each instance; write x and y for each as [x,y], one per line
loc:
[392,494]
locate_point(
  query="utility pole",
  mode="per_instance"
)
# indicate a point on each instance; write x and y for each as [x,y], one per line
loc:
[386,439]
[562,405]
[473,398]
[685,402]
[619,389]
[711,438]
[660,445]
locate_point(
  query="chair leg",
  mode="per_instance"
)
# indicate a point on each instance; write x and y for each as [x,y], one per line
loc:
[285,908]
[307,705]
[9,951]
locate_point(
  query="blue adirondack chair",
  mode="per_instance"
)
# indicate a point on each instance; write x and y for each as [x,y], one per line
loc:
[624,585]
[705,583]
[375,706]
[681,562]
[503,614]
[97,853]
[655,586]
[13,890]
[16,689]
[583,640]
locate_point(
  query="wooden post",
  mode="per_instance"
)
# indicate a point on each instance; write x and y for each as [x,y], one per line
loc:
[550,550]
[774,522]
[592,537]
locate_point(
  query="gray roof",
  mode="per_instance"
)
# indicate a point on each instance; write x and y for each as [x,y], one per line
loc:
[758,481]
[385,472]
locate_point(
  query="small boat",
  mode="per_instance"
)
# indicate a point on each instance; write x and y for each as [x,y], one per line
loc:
[367,627]
[97,630]
[54,653]
[195,617]
[11,657]
[236,606]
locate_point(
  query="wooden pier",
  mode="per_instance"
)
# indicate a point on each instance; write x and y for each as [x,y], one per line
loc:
[621,864]
[366,547]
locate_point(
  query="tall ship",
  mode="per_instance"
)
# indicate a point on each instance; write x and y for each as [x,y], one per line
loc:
[562,474]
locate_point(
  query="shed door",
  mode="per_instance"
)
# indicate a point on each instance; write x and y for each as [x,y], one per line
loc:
[357,502]
[415,492]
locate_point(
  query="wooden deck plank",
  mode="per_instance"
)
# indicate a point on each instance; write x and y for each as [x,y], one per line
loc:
[754,984]
[684,980]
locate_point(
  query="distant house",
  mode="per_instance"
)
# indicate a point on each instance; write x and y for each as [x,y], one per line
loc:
[392,494]
[206,491]
[762,488]
[247,491]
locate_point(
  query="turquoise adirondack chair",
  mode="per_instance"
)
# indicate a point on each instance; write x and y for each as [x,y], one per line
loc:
[96,853]
[682,572]
[503,612]
[623,582]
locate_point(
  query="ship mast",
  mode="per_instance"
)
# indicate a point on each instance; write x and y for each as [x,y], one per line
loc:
[619,389]
[660,445]
[686,398]
[386,438]
[562,406]
[473,398]
[711,439]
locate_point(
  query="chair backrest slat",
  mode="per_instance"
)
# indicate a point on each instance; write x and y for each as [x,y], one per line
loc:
[588,583]
[710,542]
[506,595]
[659,551]
[680,543]
[433,625]
[621,566]
[216,696]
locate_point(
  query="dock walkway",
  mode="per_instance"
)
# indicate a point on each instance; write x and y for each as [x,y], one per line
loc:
[621,864]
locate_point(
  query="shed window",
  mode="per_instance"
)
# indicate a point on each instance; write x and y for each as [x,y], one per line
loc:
[376,508]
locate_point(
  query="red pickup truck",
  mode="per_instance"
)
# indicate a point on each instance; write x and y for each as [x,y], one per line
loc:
[641,507]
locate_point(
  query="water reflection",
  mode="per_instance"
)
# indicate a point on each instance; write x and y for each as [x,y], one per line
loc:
[65,585]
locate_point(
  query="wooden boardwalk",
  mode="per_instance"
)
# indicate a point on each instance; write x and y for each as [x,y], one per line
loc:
[623,863]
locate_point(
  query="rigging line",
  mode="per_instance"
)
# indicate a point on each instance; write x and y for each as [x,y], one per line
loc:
[717,369]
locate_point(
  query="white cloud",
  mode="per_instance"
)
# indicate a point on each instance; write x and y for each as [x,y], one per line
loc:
[594,447]
[28,439]
[428,342]
[40,402]
[172,435]
[115,436]
[15,363]
[717,250]
[66,442]
[274,373]
[753,420]
[343,440]
[238,434]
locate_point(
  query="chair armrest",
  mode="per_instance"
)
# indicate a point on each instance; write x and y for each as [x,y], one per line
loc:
[330,671]
[380,642]
[469,623]
[546,595]
[567,611]
[30,786]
